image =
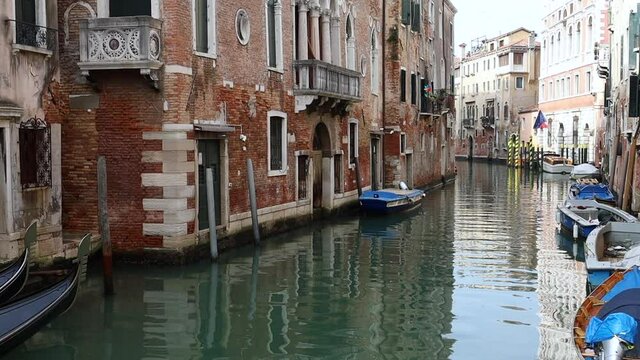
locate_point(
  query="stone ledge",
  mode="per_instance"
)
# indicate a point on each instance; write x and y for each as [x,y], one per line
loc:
[164,204]
[163,180]
[164,229]
[160,135]
[162,156]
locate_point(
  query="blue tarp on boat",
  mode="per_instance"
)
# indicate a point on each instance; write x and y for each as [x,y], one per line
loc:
[592,192]
[617,324]
[631,280]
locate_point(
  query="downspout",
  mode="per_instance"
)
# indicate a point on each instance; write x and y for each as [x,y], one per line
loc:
[384,87]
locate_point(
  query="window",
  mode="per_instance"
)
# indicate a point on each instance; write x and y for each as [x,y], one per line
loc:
[519,82]
[501,43]
[351,44]
[578,39]
[204,29]
[243,26]
[374,63]
[403,143]
[503,60]
[588,81]
[422,142]
[590,34]
[35,153]
[414,87]
[403,85]
[506,112]
[337,174]
[432,11]
[303,172]
[576,83]
[506,84]
[415,16]
[542,94]
[562,88]
[274,34]
[550,90]
[353,141]
[570,42]
[277,142]
[518,58]
[30,25]
[440,25]
[119,8]
[406,12]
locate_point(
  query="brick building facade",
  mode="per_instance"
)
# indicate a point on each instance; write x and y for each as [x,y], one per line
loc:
[167,89]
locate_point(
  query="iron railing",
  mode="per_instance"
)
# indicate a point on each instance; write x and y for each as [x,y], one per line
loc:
[468,123]
[315,77]
[488,121]
[34,35]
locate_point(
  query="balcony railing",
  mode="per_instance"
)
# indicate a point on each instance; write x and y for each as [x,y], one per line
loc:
[315,77]
[488,121]
[131,42]
[35,36]
[468,123]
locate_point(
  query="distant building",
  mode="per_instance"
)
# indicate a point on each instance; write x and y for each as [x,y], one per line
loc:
[498,77]
[571,93]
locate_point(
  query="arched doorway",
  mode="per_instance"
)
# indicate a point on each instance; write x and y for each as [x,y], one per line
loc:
[321,165]
[470,155]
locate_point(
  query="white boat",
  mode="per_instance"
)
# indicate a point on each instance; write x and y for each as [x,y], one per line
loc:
[555,164]
[585,171]
[580,217]
[610,248]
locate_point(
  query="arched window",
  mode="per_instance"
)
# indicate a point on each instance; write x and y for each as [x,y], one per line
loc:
[351,43]
[578,39]
[506,112]
[590,34]
[374,62]
[559,45]
[570,41]
[551,50]
[564,14]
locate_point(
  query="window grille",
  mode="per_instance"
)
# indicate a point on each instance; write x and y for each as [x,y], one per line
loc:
[35,153]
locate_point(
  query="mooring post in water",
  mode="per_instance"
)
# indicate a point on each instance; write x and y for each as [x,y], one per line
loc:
[358,177]
[252,201]
[211,209]
[255,265]
[107,259]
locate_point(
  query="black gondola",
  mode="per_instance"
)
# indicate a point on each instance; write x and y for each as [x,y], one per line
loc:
[25,315]
[14,276]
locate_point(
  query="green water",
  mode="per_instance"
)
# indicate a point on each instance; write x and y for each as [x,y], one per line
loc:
[477,273]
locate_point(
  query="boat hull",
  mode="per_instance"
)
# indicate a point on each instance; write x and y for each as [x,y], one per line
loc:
[390,200]
[557,168]
[13,278]
[599,261]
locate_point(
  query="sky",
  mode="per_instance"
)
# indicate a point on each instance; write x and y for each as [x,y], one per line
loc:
[490,18]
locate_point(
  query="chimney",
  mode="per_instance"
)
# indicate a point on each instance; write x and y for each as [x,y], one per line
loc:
[463,48]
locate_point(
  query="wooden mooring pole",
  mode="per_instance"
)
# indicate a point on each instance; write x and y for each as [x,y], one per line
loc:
[211,209]
[107,258]
[253,203]
[358,185]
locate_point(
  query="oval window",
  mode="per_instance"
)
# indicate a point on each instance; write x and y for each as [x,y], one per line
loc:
[243,27]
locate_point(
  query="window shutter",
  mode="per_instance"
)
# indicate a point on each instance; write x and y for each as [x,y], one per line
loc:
[202,39]
[272,34]
[406,12]
[415,20]
[403,85]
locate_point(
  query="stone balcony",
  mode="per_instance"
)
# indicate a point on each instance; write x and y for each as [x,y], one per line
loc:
[469,123]
[488,121]
[131,42]
[323,83]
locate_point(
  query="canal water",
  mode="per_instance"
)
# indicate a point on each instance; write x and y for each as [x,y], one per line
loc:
[478,272]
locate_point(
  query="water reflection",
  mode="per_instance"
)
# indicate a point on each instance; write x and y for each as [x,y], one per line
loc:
[478,271]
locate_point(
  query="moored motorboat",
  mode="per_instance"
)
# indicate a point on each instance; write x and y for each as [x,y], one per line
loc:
[14,276]
[597,326]
[584,171]
[610,248]
[555,164]
[390,200]
[591,189]
[26,314]
[579,217]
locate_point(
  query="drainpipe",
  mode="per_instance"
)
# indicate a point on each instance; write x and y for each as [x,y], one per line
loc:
[384,87]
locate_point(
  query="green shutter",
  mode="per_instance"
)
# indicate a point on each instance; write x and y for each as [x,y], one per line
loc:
[272,33]
[633,38]
[406,12]
[202,38]
[415,19]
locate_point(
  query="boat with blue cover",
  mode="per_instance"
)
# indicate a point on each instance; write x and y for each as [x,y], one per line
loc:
[390,200]
[606,324]
[591,189]
[610,248]
[578,218]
